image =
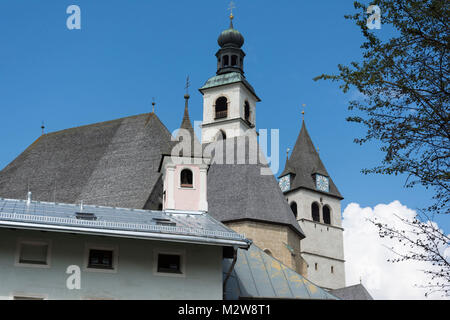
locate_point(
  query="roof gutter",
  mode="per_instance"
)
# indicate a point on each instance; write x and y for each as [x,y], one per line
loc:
[128,234]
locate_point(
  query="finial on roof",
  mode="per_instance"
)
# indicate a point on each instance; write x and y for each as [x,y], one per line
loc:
[43,128]
[153,105]
[231,7]
[287,153]
[188,84]
[303,112]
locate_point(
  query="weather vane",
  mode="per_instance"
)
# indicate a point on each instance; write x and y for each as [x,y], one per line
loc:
[188,84]
[231,7]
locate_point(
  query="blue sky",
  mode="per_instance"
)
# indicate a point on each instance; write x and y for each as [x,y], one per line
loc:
[129,51]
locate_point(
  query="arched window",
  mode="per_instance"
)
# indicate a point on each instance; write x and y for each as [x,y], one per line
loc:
[234,60]
[221,135]
[326,215]
[247,111]
[315,212]
[160,207]
[267,251]
[221,108]
[294,208]
[187,179]
[226,61]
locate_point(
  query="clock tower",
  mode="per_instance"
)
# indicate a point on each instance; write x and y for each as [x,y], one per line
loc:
[316,203]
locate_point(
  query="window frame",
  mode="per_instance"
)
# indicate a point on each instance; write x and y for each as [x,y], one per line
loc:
[318,212]
[115,255]
[223,115]
[330,215]
[188,187]
[20,241]
[181,253]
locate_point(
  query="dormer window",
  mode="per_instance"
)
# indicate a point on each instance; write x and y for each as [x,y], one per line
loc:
[187,179]
[221,108]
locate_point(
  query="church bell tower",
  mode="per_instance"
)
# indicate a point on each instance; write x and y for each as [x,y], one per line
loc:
[229,101]
[316,203]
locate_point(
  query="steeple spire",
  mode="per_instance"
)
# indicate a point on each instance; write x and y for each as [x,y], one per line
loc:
[305,162]
[186,124]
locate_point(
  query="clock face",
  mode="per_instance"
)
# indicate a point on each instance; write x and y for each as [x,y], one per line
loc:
[322,183]
[285,183]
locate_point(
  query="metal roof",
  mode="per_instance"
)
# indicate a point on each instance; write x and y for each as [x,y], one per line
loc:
[257,275]
[194,227]
[228,78]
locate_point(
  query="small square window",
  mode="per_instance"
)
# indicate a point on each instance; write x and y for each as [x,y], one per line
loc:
[169,263]
[33,253]
[101,259]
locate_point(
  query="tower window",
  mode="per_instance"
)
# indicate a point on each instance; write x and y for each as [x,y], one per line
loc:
[187,179]
[332,269]
[221,108]
[316,266]
[315,212]
[226,61]
[326,215]
[247,111]
[221,135]
[234,60]
[294,209]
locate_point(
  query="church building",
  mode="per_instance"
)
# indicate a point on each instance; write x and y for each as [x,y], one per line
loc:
[134,163]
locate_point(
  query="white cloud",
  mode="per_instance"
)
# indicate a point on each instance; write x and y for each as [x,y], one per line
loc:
[366,254]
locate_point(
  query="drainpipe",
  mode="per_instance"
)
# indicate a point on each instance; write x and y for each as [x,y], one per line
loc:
[235,249]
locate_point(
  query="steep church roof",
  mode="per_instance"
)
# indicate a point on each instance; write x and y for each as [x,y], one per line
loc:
[246,189]
[112,163]
[116,164]
[304,163]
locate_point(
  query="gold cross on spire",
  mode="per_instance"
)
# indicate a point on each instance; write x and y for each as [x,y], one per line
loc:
[231,7]
[303,112]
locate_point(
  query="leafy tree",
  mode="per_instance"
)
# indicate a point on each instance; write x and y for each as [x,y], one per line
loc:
[404,84]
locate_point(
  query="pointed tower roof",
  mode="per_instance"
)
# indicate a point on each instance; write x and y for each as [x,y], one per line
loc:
[304,163]
[186,124]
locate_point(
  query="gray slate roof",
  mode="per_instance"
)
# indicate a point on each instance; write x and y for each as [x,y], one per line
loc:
[116,163]
[112,163]
[240,191]
[185,226]
[258,275]
[304,163]
[357,292]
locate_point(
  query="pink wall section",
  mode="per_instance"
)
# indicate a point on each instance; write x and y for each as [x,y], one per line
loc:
[185,198]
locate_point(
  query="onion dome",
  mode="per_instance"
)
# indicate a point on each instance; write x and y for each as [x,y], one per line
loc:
[231,37]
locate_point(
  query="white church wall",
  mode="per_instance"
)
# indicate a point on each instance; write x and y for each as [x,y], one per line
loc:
[236,94]
[325,243]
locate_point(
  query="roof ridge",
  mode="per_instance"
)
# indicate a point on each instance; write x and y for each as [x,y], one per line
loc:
[97,123]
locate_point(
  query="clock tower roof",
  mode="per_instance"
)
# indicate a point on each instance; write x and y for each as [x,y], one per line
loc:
[305,163]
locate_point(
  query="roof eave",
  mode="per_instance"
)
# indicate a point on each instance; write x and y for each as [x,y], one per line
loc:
[244,244]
